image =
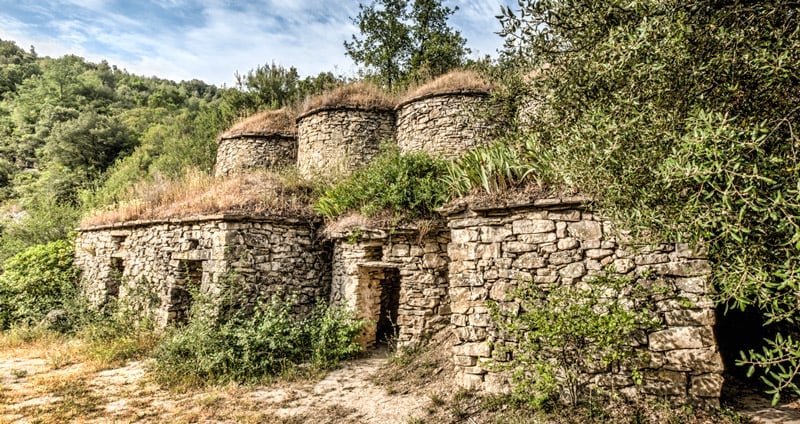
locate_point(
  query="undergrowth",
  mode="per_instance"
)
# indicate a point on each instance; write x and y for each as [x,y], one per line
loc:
[252,345]
[407,185]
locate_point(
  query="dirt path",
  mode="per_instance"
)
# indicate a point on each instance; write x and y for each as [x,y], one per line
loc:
[32,389]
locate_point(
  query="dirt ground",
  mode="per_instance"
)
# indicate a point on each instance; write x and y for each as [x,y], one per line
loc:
[47,385]
[32,390]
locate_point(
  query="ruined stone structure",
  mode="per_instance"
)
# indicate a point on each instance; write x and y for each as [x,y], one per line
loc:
[269,151]
[445,124]
[410,282]
[337,140]
[398,279]
[266,140]
[556,241]
[166,260]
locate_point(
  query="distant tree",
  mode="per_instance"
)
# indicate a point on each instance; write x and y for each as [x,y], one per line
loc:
[402,42]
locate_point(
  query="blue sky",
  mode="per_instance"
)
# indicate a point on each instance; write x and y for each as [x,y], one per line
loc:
[212,39]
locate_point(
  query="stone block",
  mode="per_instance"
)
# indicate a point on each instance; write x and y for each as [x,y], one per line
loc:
[705,360]
[706,385]
[463,235]
[568,243]
[518,247]
[565,257]
[570,215]
[533,226]
[624,265]
[681,338]
[477,349]
[433,260]
[529,261]
[585,230]
[539,238]
[464,361]
[494,234]
[690,317]
[496,383]
[575,270]
[683,269]
[470,381]
[598,253]
[697,285]
[664,383]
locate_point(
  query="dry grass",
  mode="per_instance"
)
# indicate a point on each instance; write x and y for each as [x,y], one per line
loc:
[455,81]
[256,193]
[269,122]
[360,94]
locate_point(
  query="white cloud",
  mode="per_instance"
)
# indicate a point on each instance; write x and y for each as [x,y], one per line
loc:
[212,39]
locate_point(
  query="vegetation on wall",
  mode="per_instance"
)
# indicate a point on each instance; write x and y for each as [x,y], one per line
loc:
[679,117]
[405,185]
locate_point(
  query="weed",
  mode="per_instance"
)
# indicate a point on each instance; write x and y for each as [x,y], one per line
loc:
[18,374]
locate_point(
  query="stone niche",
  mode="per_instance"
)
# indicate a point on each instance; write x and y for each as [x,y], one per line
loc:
[157,265]
[395,279]
[557,241]
[251,151]
[337,140]
[444,124]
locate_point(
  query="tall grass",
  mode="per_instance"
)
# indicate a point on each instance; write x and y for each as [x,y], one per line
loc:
[492,168]
[197,193]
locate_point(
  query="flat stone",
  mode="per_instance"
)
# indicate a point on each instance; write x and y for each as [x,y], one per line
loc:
[529,261]
[533,226]
[706,385]
[478,349]
[575,270]
[703,360]
[494,234]
[681,338]
[585,230]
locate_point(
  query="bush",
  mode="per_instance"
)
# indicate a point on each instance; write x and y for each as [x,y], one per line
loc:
[563,331]
[408,185]
[36,281]
[253,345]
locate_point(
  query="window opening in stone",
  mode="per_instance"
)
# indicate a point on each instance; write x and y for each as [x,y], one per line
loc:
[387,328]
[190,277]
[117,271]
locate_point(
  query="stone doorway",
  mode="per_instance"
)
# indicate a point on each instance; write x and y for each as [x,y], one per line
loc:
[378,302]
[190,277]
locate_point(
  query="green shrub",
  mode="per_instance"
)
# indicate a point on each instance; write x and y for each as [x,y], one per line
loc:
[491,168]
[563,331]
[37,281]
[407,185]
[252,345]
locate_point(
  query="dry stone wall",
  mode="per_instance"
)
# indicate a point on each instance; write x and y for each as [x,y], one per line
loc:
[366,262]
[335,141]
[443,124]
[255,151]
[157,264]
[556,241]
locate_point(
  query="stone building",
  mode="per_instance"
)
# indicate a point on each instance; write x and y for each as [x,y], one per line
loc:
[265,140]
[160,263]
[410,282]
[444,123]
[342,131]
[558,242]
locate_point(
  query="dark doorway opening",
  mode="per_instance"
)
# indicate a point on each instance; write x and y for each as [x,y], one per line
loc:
[387,327]
[182,294]
[117,271]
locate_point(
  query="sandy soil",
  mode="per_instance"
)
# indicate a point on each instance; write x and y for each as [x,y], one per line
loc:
[33,390]
[49,386]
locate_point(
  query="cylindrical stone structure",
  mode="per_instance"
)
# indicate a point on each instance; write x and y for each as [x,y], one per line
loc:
[266,140]
[444,120]
[342,132]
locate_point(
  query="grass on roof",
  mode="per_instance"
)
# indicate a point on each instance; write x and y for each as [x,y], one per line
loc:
[454,81]
[257,193]
[268,122]
[360,94]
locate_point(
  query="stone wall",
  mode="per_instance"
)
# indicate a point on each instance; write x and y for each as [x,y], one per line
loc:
[335,141]
[255,151]
[363,262]
[159,261]
[443,124]
[556,241]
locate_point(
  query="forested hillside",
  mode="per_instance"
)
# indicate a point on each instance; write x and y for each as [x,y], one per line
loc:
[76,135]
